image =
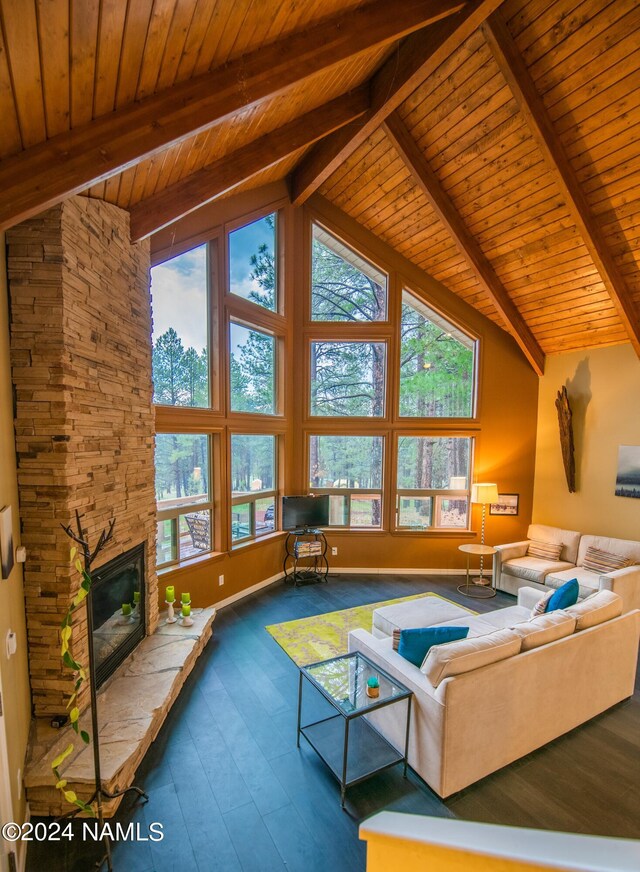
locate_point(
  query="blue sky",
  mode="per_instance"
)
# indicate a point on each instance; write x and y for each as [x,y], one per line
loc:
[178,286]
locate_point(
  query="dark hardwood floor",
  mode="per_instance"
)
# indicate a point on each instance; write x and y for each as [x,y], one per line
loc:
[233,792]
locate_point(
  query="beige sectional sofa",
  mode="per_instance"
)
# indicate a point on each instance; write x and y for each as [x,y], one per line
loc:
[513,568]
[512,686]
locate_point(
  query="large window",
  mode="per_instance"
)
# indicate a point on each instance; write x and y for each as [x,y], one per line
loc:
[348,379]
[183,496]
[349,468]
[252,262]
[179,290]
[344,286]
[253,486]
[252,367]
[433,482]
[436,364]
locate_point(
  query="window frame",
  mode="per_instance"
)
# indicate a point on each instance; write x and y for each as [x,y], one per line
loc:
[348,493]
[436,494]
[420,296]
[174,513]
[252,497]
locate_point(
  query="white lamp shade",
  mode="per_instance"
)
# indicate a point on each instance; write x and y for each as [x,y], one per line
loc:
[484,493]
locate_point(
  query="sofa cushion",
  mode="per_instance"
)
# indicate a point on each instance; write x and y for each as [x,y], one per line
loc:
[478,625]
[544,629]
[623,547]
[596,609]
[566,595]
[455,658]
[501,619]
[569,539]
[601,562]
[544,550]
[534,568]
[588,581]
[414,644]
[424,612]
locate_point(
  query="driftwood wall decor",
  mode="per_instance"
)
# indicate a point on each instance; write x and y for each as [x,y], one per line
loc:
[566,438]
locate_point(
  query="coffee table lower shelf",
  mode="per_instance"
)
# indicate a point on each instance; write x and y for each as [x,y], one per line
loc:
[367,752]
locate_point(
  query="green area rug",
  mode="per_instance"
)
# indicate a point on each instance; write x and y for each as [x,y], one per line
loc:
[309,640]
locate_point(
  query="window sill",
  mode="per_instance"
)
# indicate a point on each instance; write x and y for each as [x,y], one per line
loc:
[436,534]
[253,543]
[210,557]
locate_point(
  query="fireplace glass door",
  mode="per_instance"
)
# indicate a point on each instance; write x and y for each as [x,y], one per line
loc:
[118,608]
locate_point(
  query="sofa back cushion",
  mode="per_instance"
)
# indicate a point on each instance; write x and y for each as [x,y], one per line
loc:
[544,629]
[455,658]
[596,609]
[569,539]
[625,548]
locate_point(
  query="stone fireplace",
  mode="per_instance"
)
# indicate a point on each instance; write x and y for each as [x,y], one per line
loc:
[81,364]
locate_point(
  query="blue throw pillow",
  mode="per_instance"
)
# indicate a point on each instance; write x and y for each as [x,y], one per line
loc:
[414,644]
[567,595]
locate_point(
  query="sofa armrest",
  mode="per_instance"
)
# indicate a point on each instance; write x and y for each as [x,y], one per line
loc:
[626,583]
[529,596]
[512,550]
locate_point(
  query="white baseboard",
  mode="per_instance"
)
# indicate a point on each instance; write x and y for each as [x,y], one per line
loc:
[345,570]
[356,570]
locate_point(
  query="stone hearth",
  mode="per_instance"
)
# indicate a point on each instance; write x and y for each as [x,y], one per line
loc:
[132,706]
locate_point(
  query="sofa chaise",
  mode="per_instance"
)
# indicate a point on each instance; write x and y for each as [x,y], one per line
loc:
[512,686]
[514,566]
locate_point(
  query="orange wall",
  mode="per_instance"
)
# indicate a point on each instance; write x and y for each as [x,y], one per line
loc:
[505,428]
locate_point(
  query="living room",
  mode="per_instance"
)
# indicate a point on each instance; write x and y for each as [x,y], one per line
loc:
[367,276]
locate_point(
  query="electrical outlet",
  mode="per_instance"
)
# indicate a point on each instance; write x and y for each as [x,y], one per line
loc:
[334,552]
[220,580]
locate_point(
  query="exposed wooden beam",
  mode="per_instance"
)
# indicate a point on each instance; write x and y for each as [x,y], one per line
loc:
[43,175]
[204,185]
[424,176]
[396,80]
[522,86]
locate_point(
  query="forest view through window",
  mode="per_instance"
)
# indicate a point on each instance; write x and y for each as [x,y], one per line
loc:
[179,289]
[436,364]
[433,481]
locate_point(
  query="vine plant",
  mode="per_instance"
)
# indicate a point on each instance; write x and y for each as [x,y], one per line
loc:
[66,629]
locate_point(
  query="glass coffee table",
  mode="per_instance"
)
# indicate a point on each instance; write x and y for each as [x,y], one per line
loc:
[346,741]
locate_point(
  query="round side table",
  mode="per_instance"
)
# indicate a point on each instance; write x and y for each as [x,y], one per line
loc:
[479,589]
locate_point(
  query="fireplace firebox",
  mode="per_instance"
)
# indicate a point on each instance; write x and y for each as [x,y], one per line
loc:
[117,585]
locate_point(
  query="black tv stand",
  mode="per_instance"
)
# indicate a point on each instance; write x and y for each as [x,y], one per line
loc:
[302,568]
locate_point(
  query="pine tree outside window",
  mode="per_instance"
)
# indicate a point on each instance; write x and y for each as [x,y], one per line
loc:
[183,496]
[180,298]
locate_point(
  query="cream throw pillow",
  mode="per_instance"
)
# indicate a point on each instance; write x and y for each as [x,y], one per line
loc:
[453,658]
[541,606]
[544,629]
[596,609]
[600,561]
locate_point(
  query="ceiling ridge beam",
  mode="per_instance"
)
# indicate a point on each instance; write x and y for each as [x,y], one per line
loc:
[416,59]
[522,86]
[211,181]
[424,176]
[45,174]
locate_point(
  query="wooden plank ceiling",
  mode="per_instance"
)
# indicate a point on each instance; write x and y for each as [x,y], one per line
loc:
[509,169]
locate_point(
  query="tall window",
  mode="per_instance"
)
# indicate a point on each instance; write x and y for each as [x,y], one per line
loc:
[179,290]
[252,368]
[253,486]
[436,364]
[348,379]
[183,496]
[349,468]
[433,482]
[344,286]
[252,262]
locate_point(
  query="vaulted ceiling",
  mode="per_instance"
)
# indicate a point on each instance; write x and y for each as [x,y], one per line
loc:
[494,145]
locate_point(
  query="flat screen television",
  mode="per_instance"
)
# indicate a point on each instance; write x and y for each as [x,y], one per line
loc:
[305,511]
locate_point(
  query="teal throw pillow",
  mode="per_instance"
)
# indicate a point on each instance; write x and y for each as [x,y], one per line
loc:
[565,596]
[414,644]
